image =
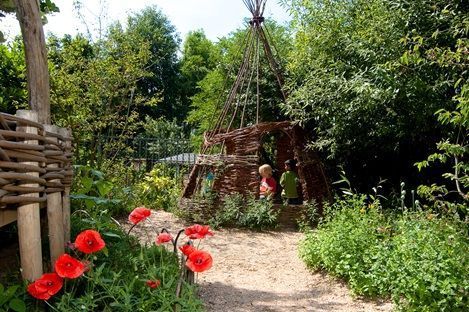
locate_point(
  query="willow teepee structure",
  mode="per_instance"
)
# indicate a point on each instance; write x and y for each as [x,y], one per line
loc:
[233,150]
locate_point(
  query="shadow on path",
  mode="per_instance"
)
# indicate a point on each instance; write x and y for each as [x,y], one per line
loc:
[220,297]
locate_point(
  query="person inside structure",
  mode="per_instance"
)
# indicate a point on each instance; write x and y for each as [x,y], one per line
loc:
[289,183]
[268,186]
[208,181]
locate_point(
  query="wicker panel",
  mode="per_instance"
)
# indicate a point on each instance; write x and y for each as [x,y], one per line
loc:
[21,161]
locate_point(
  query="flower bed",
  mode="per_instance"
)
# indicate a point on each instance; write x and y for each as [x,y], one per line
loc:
[106,269]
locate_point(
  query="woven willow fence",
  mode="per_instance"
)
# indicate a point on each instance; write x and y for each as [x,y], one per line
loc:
[35,173]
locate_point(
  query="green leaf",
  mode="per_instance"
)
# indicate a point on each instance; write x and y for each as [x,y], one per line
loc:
[87,184]
[106,251]
[110,234]
[104,187]
[11,291]
[98,174]
[17,305]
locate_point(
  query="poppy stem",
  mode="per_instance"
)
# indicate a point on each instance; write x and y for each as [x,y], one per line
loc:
[131,228]
[50,306]
[176,240]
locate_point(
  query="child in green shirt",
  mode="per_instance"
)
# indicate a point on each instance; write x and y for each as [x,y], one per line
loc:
[289,181]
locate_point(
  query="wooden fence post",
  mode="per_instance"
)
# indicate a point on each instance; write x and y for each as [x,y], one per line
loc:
[54,198]
[67,136]
[29,224]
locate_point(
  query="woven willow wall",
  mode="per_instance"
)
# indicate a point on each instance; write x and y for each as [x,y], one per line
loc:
[237,168]
[35,172]
[25,159]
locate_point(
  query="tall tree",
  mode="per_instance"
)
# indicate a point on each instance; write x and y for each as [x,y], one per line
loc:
[199,57]
[13,93]
[352,85]
[97,82]
[152,26]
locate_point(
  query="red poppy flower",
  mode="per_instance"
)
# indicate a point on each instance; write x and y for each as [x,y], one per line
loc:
[198,231]
[89,241]
[69,267]
[153,284]
[163,238]
[139,214]
[187,249]
[46,286]
[199,261]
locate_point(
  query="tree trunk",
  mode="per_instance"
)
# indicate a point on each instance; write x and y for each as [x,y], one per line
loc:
[29,16]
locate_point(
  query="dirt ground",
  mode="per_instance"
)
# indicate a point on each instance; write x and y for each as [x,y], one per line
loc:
[255,271]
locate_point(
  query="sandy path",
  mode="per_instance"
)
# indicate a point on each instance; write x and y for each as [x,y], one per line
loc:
[262,272]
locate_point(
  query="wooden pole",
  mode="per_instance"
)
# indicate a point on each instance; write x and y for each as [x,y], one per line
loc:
[67,135]
[54,211]
[29,224]
[29,16]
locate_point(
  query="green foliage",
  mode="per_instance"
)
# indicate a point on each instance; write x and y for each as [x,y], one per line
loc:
[7,6]
[122,189]
[419,260]
[167,137]
[248,212]
[13,94]
[259,214]
[357,79]
[199,57]
[93,90]
[453,150]
[92,191]
[159,189]
[10,299]
[309,216]
[206,105]
[229,212]
[152,27]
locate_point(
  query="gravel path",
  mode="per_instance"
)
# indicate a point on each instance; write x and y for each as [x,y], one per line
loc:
[255,271]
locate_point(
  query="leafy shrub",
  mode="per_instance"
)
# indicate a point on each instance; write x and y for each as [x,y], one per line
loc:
[229,211]
[259,214]
[309,216]
[237,210]
[417,259]
[430,260]
[92,190]
[10,299]
[159,189]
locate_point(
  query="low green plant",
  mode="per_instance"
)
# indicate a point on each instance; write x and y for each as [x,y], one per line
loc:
[416,258]
[259,214]
[11,299]
[245,211]
[92,190]
[309,216]
[159,189]
[229,211]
